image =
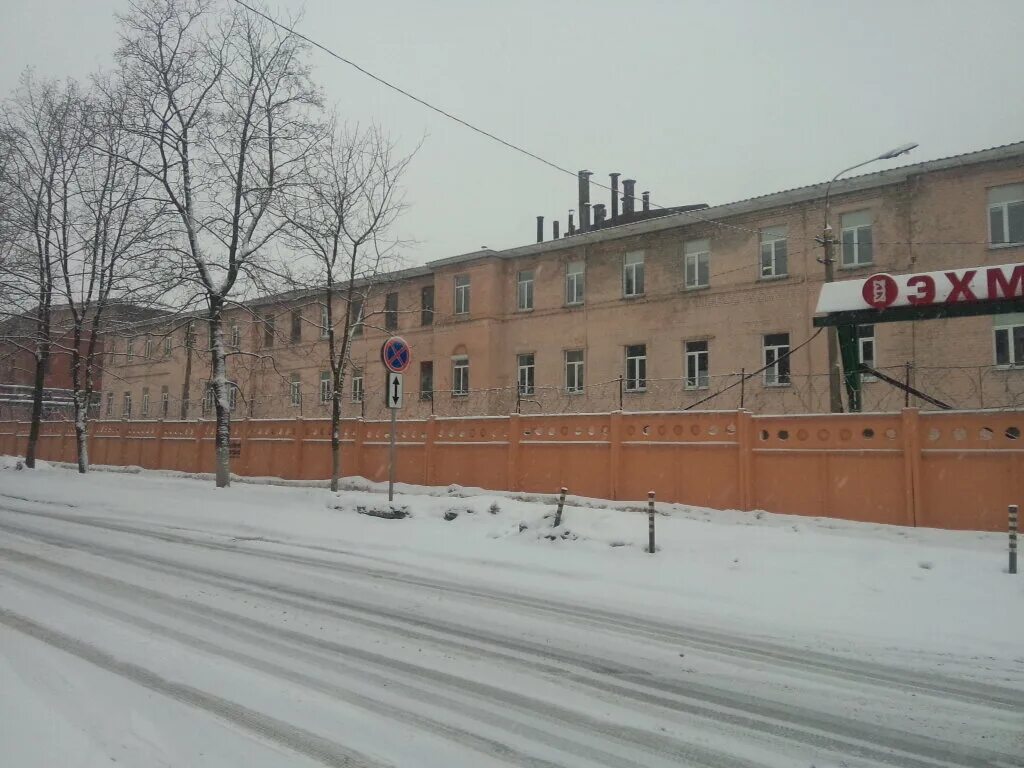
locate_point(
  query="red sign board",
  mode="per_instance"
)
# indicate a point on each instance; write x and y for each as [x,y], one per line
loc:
[396,354]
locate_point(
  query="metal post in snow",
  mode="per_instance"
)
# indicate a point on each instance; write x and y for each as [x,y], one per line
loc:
[650,522]
[391,457]
[1012,509]
[561,503]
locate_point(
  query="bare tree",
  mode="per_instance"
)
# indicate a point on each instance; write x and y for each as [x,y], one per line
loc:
[221,99]
[41,131]
[341,215]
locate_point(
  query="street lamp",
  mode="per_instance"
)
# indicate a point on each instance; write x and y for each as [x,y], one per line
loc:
[834,383]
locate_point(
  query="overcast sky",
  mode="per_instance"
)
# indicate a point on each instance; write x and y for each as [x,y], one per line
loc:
[699,101]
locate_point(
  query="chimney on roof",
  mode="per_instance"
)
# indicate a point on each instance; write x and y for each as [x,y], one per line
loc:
[584,196]
[615,195]
[540,229]
[647,201]
[554,229]
[599,210]
[572,224]
[627,197]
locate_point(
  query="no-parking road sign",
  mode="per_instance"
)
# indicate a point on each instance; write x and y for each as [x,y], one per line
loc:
[396,354]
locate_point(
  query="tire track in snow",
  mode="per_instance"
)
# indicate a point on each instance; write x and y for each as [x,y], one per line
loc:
[293,737]
[717,643]
[758,715]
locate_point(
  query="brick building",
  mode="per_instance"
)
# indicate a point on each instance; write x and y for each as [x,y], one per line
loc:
[650,310]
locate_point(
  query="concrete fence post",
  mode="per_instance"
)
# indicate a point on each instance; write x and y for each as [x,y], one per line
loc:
[910,419]
[358,436]
[515,434]
[745,448]
[158,460]
[300,433]
[429,449]
[615,454]
[122,443]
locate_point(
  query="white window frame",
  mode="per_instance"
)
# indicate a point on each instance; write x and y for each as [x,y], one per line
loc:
[358,391]
[574,372]
[129,349]
[148,348]
[1007,327]
[356,323]
[232,396]
[526,369]
[770,240]
[295,391]
[524,290]
[168,345]
[636,362]
[165,403]
[209,398]
[858,245]
[862,341]
[110,404]
[324,328]
[575,277]
[697,256]
[126,406]
[696,381]
[236,336]
[633,271]
[144,412]
[462,297]
[326,380]
[460,376]
[1013,195]
[771,373]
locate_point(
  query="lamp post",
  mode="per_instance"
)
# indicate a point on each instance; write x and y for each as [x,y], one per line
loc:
[835,393]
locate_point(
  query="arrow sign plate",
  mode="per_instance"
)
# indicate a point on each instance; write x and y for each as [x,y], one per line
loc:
[395,392]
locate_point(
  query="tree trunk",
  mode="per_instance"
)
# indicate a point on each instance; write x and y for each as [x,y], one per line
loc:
[37,410]
[335,439]
[221,396]
[82,435]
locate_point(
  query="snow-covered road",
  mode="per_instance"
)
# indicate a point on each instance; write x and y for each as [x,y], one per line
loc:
[139,628]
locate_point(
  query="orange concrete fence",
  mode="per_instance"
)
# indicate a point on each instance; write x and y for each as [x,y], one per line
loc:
[945,470]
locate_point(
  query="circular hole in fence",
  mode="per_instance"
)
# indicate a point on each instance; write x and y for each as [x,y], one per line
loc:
[845,434]
[590,431]
[551,431]
[764,434]
[934,434]
[579,431]
[604,430]
[662,429]
[823,434]
[959,433]
[565,431]
[783,434]
[731,429]
[868,433]
[985,433]
[677,430]
[694,430]
[801,434]
[1013,433]
[462,434]
[890,433]
[713,430]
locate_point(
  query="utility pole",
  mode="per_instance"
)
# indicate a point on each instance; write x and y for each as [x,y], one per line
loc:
[835,391]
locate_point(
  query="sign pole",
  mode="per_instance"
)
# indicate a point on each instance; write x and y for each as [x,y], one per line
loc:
[391,459]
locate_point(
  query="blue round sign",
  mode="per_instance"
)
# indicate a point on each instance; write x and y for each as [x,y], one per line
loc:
[396,354]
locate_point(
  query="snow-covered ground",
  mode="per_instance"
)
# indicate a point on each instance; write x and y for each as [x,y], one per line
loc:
[148,619]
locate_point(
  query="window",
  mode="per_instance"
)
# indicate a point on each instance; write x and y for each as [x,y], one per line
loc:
[776,358]
[209,398]
[1009,339]
[129,350]
[462,294]
[427,305]
[524,290]
[296,334]
[325,322]
[190,334]
[697,365]
[168,341]
[698,256]
[232,395]
[391,312]
[126,411]
[1006,214]
[269,330]
[236,336]
[866,348]
[774,257]
[356,317]
[636,367]
[148,348]
[525,370]
[460,376]
[574,371]
[295,391]
[110,403]
[633,274]
[145,402]
[574,282]
[856,239]
[165,402]
[357,386]
[325,387]
[426,380]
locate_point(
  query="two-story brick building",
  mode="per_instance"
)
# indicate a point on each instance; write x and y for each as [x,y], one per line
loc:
[649,312]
